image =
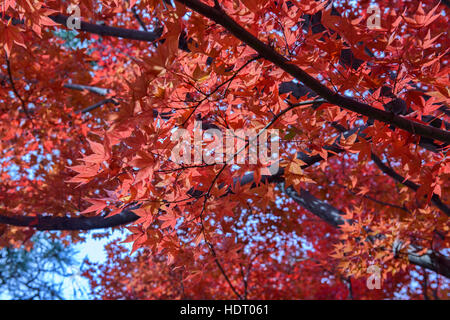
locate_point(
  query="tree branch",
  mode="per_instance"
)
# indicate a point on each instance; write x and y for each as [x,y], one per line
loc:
[13,87]
[138,18]
[103,30]
[70,223]
[397,177]
[80,87]
[97,105]
[435,199]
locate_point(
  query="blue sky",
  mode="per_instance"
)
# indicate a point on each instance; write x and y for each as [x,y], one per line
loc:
[77,287]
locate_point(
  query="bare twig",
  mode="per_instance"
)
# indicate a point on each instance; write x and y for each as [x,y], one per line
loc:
[13,87]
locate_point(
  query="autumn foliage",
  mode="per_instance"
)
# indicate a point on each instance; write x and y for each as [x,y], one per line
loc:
[87,117]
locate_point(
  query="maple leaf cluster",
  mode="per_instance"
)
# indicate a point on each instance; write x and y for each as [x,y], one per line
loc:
[88,116]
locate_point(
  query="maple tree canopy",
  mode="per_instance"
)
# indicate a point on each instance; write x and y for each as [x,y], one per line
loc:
[89,111]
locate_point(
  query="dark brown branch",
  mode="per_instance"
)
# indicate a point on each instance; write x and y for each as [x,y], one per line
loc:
[96,90]
[13,87]
[138,18]
[222,270]
[435,199]
[104,92]
[220,86]
[70,223]
[98,105]
[103,30]
[373,199]
[80,87]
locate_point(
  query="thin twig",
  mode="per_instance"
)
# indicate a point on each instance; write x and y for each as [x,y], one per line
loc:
[13,87]
[220,86]
[138,18]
